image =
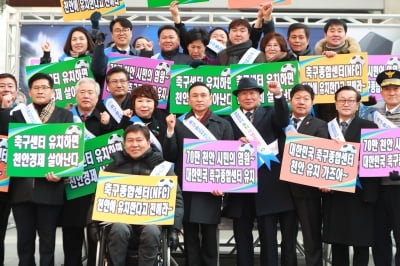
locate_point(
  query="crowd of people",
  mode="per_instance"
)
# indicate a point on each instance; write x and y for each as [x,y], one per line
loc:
[360,220]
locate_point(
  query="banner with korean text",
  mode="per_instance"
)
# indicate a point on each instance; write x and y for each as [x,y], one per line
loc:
[327,74]
[319,162]
[4,178]
[143,70]
[224,165]
[82,9]
[380,152]
[135,199]
[286,73]
[217,78]
[65,75]
[37,149]
[97,156]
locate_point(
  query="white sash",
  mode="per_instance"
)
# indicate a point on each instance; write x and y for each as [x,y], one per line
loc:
[30,114]
[249,56]
[381,120]
[136,120]
[334,130]
[197,128]
[251,133]
[78,119]
[113,108]
[162,169]
[215,46]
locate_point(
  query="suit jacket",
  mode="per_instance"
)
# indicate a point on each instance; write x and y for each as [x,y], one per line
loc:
[199,207]
[314,127]
[349,217]
[273,195]
[39,190]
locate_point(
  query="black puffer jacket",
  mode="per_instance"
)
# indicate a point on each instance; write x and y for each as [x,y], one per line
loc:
[124,164]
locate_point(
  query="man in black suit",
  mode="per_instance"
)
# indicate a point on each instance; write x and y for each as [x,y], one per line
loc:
[348,218]
[307,200]
[272,202]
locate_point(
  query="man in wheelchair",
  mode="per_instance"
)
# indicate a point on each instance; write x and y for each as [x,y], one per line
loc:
[139,157]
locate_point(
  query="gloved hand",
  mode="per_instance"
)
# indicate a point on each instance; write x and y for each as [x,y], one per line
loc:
[173,239]
[197,62]
[100,37]
[95,18]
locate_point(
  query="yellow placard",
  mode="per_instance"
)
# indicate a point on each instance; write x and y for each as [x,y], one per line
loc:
[326,75]
[77,10]
[135,199]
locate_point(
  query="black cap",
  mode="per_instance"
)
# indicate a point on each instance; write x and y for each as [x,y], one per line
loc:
[248,84]
[388,77]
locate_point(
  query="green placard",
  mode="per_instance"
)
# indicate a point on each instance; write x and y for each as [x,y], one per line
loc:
[217,79]
[37,149]
[97,156]
[286,73]
[159,3]
[65,74]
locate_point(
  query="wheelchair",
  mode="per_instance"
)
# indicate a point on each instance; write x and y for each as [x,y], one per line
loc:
[102,255]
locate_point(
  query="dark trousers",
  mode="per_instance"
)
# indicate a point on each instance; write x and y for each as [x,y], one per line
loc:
[340,255]
[29,219]
[201,244]
[267,226]
[309,213]
[73,237]
[5,210]
[387,220]
[92,235]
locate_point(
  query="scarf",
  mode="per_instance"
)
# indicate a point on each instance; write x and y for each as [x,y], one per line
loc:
[76,55]
[276,58]
[204,117]
[45,110]
[235,52]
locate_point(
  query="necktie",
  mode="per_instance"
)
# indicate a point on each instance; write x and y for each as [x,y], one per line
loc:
[344,126]
[84,117]
[295,122]
[388,113]
[248,115]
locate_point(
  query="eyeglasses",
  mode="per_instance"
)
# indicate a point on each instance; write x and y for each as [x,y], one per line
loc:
[44,88]
[270,46]
[124,30]
[348,101]
[8,85]
[116,81]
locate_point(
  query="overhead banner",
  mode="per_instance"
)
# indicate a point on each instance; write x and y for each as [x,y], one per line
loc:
[224,165]
[380,153]
[82,9]
[37,149]
[286,73]
[217,78]
[143,70]
[65,75]
[319,162]
[135,199]
[326,75]
[97,156]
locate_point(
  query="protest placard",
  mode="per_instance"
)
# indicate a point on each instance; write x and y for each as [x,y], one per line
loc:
[97,156]
[327,74]
[82,9]
[224,165]
[319,162]
[217,78]
[254,3]
[65,75]
[135,199]
[380,152]
[4,178]
[37,149]
[161,3]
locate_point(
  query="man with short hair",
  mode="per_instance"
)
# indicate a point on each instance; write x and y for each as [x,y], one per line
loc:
[387,214]
[307,200]
[140,158]
[37,202]
[202,209]
[240,50]
[298,38]
[272,203]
